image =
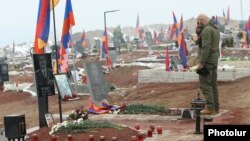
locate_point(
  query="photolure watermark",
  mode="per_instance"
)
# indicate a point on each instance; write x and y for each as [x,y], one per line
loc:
[221,132]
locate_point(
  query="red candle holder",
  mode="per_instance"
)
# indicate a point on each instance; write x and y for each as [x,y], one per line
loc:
[69,137]
[152,127]
[34,137]
[133,138]
[150,134]
[53,138]
[140,136]
[91,137]
[137,127]
[102,138]
[159,130]
[114,138]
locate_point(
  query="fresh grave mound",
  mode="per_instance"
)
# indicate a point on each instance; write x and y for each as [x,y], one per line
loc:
[81,129]
[150,109]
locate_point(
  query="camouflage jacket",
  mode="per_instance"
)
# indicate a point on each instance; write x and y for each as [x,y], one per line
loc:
[208,52]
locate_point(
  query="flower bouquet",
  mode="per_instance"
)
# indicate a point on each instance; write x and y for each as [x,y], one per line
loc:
[79,112]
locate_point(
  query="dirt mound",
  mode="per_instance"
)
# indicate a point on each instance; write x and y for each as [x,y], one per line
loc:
[121,134]
[124,76]
[131,56]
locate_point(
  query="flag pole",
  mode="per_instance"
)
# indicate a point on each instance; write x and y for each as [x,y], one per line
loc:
[74,66]
[57,71]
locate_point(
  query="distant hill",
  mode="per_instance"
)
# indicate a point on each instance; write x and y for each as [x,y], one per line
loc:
[128,30]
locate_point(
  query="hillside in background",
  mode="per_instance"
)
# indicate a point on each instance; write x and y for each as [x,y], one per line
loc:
[128,30]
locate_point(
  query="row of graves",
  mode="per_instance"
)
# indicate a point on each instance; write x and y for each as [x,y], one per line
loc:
[48,84]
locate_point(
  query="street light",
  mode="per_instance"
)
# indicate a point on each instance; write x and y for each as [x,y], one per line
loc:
[105,28]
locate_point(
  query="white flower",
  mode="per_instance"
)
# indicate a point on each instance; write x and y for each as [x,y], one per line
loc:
[79,120]
[51,132]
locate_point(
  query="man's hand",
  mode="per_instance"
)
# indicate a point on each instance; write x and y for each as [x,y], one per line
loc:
[200,66]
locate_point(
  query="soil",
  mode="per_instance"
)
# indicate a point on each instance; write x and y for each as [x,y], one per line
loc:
[234,97]
[121,134]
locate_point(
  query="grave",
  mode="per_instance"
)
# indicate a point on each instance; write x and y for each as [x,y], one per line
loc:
[63,86]
[44,83]
[112,54]
[97,86]
[149,38]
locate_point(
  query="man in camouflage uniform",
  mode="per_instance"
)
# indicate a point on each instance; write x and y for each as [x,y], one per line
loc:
[208,55]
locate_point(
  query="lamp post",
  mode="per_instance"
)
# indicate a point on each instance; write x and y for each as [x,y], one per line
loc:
[105,12]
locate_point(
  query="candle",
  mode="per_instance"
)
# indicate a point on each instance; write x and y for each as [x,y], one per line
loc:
[91,137]
[137,127]
[159,130]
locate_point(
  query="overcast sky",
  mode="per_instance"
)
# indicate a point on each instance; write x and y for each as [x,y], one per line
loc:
[18,17]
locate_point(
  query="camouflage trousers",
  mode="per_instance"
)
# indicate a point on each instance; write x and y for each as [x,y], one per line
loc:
[208,86]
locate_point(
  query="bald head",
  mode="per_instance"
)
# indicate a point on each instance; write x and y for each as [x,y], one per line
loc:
[202,19]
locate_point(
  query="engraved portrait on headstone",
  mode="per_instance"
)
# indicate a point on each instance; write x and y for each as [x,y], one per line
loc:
[44,74]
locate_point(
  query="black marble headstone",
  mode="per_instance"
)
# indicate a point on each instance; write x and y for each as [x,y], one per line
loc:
[44,84]
[96,83]
[44,74]
[4,72]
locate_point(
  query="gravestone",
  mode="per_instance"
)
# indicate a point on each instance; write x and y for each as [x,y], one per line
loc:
[78,46]
[88,44]
[44,84]
[112,54]
[96,83]
[44,75]
[149,38]
[161,37]
[127,38]
[63,86]
[75,76]
[187,114]
[4,72]
[175,61]
[117,42]
[98,44]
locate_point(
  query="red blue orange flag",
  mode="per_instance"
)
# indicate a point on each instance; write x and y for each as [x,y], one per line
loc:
[84,40]
[137,27]
[55,3]
[175,30]
[69,21]
[183,52]
[42,27]
[184,44]
[103,50]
